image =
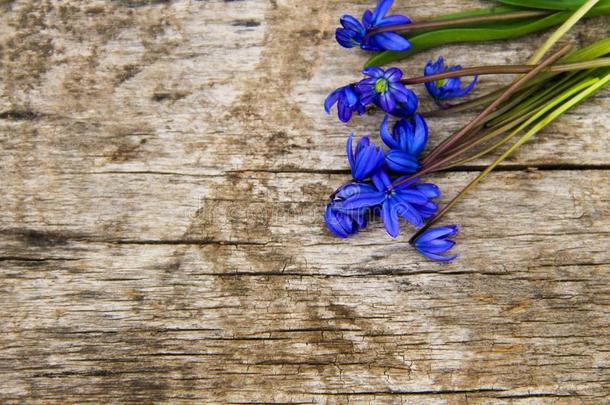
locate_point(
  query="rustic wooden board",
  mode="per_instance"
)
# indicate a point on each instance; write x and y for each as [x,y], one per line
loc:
[164,168]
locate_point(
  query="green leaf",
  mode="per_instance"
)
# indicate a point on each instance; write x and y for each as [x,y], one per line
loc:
[479,12]
[593,51]
[553,4]
[446,36]
[561,31]
[428,39]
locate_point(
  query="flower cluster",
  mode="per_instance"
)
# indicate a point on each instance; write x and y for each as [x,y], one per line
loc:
[363,34]
[385,183]
[373,191]
[447,88]
[382,88]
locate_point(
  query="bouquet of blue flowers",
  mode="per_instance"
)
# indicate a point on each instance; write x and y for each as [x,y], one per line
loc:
[387,183]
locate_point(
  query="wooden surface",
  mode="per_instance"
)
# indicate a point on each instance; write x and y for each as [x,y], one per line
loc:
[164,170]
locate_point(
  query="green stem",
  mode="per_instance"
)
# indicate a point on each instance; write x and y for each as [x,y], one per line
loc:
[562,30]
[447,143]
[590,52]
[593,86]
[505,95]
[532,116]
[461,21]
[541,98]
[505,69]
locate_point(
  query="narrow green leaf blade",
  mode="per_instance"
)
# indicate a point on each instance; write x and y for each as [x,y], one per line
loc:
[552,4]
[446,36]
[480,33]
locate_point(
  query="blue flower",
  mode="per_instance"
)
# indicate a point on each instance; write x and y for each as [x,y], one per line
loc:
[385,89]
[367,158]
[347,101]
[354,33]
[344,223]
[409,201]
[433,242]
[447,88]
[410,136]
[406,142]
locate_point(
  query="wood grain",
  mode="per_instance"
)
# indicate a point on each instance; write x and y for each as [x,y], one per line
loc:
[165,166]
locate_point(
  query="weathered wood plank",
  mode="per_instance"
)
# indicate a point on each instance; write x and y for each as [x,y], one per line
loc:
[130,82]
[219,315]
[164,168]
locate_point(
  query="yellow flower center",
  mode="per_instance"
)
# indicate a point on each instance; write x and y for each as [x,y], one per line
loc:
[381,85]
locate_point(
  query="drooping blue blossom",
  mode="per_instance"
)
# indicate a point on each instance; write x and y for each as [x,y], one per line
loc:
[340,224]
[352,34]
[385,89]
[367,158]
[343,223]
[435,241]
[408,135]
[409,201]
[406,142]
[347,100]
[447,88]
[355,33]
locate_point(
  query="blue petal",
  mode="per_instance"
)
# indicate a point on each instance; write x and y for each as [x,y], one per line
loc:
[433,90]
[351,189]
[345,113]
[360,219]
[368,97]
[401,132]
[391,221]
[350,151]
[381,10]
[364,200]
[468,89]
[362,143]
[405,185]
[428,189]
[387,138]
[393,75]
[437,233]
[410,214]
[393,20]
[387,102]
[350,95]
[438,245]
[367,19]
[438,257]
[427,210]
[411,197]
[419,139]
[346,38]
[373,71]
[390,41]
[351,23]
[381,180]
[429,69]
[335,224]
[367,162]
[401,162]
[331,100]
[401,92]
[407,109]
